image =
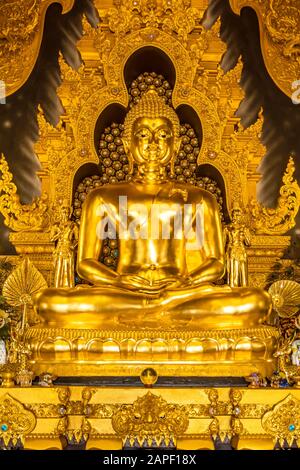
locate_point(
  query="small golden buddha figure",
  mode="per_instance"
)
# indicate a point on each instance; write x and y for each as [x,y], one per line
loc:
[157,221]
[237,236]
[65,233]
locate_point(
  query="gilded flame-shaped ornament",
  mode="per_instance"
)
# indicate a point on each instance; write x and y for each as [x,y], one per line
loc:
[278,221]
[20,217]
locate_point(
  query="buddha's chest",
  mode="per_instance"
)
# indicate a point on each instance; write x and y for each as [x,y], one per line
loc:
[152,206]
[151,218]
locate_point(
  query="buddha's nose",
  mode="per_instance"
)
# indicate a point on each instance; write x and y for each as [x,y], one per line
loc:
[152,146]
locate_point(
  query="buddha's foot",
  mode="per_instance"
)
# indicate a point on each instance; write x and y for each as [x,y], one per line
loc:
[153,320]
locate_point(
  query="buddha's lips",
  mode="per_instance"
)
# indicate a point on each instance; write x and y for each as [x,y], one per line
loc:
[152,153]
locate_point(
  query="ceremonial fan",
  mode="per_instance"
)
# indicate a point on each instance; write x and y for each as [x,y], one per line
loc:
[285,296]
[20,287]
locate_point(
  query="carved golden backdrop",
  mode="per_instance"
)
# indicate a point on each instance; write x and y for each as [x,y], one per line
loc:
[22,24]
[69,152]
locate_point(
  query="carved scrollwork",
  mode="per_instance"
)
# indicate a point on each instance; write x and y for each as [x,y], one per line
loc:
[21,30]
[279,22]
[15,420]
[282,422]
[281,219]
[150,417]
[20,217]
[282,22]
[176,16]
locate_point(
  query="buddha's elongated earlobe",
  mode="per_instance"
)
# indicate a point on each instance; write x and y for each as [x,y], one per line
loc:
[130,163]
[172,167]
[125,145]
[177,145]
[128,155]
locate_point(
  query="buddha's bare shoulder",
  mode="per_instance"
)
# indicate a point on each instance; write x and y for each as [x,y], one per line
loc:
[108,191]
[194,194]
[184,192]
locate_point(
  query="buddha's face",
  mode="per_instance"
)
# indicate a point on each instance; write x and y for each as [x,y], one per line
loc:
[152,141]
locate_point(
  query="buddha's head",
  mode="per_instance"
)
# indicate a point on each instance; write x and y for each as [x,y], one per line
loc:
[151,133]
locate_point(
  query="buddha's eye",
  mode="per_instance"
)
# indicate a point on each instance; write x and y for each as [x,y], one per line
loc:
[143,133]
[163,134]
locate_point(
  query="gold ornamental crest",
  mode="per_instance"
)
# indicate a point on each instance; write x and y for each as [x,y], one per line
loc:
[150,418]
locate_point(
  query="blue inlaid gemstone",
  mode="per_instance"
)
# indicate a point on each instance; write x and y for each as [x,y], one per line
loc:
[292,427]
[4,427]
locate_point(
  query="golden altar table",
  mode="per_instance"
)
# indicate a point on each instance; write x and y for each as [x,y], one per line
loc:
[113,417]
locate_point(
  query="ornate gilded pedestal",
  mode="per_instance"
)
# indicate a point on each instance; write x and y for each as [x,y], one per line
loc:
[171,353]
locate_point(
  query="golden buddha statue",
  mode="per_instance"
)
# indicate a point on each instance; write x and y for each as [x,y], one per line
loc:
[159,224]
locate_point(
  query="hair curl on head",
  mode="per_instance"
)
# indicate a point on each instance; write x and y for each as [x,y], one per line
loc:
[152,106]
